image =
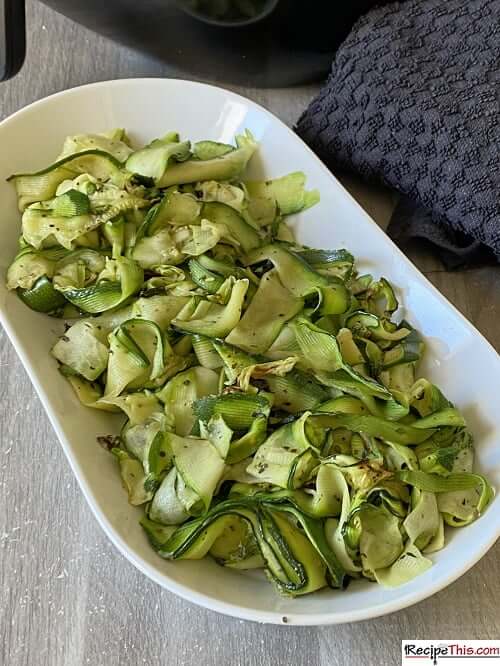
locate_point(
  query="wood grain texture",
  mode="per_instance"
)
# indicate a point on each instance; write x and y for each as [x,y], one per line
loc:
[67,598]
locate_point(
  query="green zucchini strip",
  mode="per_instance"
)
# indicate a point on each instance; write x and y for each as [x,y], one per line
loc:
[138,356]
[294,392]
[183,392]
[42,185]
[225,167]
[287,458]
[256,331]
[215,320]
[376,427]
[410,564]
[220,213]
[121,279]
[288,192]
[459,506]
[301,280]
[42,297]
[154,159]
[322,354]
[225,193]
[83,348]
[339,263]
[114,142]
[296,564]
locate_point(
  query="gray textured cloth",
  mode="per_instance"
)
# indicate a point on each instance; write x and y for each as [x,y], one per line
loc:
[413,100]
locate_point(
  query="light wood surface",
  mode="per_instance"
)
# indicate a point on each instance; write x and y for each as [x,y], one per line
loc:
[67,598]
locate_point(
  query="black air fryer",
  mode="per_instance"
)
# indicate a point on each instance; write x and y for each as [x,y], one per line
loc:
[250,42]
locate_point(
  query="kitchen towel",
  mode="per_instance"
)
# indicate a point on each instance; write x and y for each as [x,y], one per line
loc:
[413,100]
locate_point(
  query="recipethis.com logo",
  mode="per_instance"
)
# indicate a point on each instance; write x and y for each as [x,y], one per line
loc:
[450,653]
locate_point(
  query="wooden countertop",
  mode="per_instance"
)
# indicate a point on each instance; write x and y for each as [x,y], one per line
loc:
[67,597]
